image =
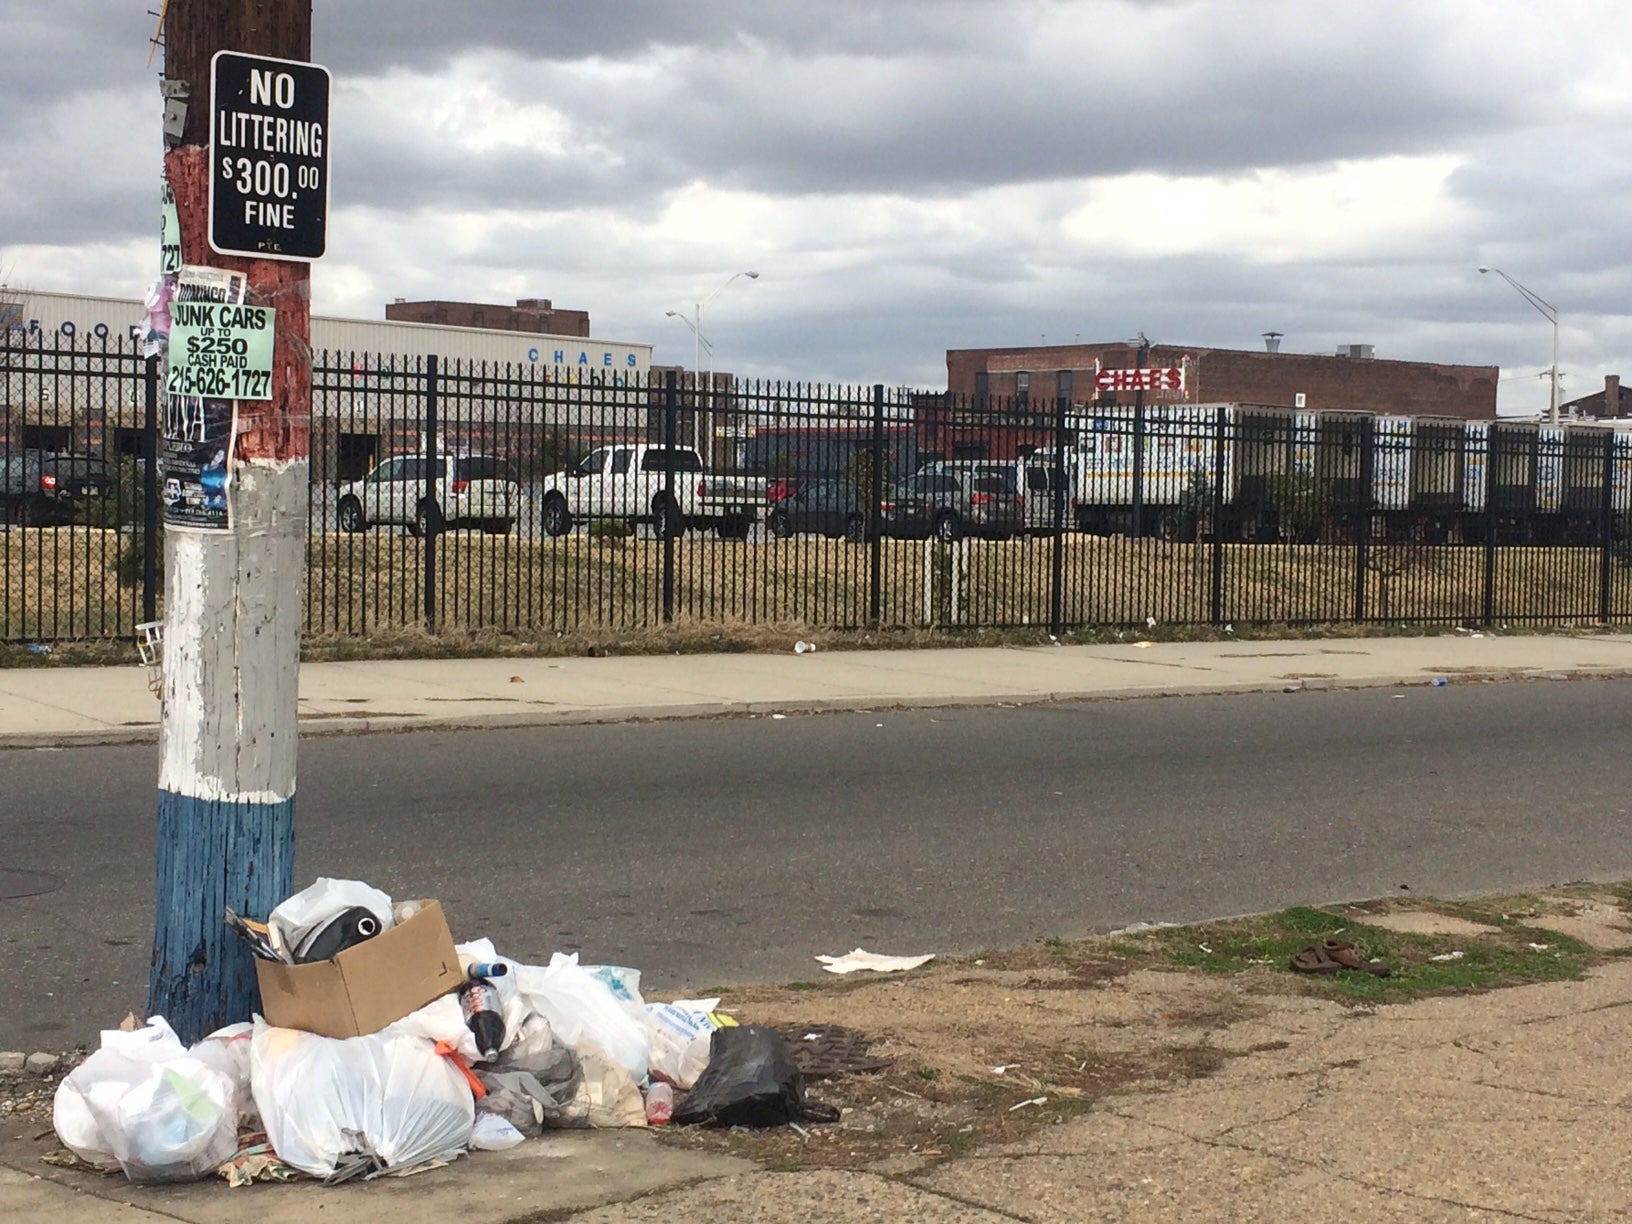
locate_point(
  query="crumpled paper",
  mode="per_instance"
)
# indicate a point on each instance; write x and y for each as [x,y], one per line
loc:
[850,962]
[254,1161]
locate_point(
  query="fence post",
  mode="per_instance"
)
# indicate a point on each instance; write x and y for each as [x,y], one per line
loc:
[1220,442]
[875,495]
[1056,497]
[432,459]
[1489,608]
[1606,527]
[1362,499]
[150,489]
[670,411]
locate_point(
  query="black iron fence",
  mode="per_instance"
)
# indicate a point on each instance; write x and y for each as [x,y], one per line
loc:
[465,496]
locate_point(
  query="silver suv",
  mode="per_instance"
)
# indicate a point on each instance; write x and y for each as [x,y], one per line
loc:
[967,501]
[471,490]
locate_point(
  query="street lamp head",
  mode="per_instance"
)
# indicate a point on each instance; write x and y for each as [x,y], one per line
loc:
[751,275]
[671,314]
[1484,269]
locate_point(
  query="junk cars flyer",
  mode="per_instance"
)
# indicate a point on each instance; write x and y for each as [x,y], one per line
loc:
[220,348]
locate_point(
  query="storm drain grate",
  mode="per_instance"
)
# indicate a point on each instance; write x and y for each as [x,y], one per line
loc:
[821,1051]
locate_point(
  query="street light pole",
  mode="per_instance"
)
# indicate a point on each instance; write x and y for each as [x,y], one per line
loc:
[1549,312]
[696,325]
[696,405]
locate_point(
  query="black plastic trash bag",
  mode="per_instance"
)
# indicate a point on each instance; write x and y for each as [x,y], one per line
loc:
[750,1080]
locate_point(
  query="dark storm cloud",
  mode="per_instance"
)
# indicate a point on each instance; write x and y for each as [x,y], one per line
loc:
[498,142]
[429,34]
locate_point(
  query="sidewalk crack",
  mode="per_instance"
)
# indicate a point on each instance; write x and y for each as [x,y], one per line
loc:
[1326,1170]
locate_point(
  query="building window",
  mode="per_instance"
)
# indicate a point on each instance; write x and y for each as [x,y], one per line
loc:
[1022,389]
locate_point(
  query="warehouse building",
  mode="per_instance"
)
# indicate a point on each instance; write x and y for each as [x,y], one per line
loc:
[1352,379]
[71,384]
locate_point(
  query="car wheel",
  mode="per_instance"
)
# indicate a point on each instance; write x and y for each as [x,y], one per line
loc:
[427,519]
[671,524]
[855,529]
[735,527]
[557,520]
[948,530]
[350,515]
[779,525]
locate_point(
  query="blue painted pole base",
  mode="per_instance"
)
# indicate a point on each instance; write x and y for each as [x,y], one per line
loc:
[212,854]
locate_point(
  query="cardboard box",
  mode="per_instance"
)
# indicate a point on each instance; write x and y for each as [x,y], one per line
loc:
[367,986]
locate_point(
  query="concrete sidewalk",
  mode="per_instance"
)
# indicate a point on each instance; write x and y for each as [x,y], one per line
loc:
[1509,1105]
[40,706]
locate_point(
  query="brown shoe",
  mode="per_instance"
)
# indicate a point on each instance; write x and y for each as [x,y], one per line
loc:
[1314,959]
[1347,956]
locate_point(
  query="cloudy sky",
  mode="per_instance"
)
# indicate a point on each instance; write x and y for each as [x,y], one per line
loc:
[909,176]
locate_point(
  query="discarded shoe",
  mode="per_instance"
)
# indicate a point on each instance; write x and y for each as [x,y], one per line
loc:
[1330,956]
[1313,959]
[1348,956]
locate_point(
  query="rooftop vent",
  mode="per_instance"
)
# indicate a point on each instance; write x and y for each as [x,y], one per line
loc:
[1357,350]
[1272,342]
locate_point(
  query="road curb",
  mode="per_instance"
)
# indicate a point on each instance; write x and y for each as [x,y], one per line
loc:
[322,725]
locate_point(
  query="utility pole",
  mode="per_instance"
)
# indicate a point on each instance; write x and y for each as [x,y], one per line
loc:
[1141,357]
[226,803]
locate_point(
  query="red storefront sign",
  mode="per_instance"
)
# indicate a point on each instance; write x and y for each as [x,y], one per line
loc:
[1154,378]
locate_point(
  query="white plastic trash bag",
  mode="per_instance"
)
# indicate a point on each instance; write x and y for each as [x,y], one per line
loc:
[584,1012]
[294,921]
[494,1134]
[440,1020]
[680,1033]
[142,1102]
[361,1106]
[227,1050]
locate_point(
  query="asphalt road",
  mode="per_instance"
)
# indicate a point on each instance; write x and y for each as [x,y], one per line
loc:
[730,850]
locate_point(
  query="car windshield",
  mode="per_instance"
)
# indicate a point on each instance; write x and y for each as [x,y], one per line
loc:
[480,467]
[78,469]
[1039,478]
[670,460]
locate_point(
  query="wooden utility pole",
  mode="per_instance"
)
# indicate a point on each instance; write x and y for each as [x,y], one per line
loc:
[232,597]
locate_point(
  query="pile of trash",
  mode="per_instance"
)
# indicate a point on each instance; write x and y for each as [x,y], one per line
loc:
[383,1047]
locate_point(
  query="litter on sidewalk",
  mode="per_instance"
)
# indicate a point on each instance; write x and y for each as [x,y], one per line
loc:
[858,959]
[382,1048]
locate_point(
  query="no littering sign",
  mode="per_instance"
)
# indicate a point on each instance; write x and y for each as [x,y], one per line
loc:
[269,157]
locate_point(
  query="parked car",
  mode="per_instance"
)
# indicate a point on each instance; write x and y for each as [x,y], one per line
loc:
[831,508]
[471,490]
[39,488]
[662,485]
[19,479]
[964,502]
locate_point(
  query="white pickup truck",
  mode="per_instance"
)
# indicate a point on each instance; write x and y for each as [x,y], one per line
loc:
[626,481]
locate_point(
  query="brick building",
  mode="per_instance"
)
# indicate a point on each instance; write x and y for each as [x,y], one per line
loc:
[537,315]
[1613,401]
[1353,381]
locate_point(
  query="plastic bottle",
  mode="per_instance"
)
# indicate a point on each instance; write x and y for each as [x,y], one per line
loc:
[659,1104]
[484,1016]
